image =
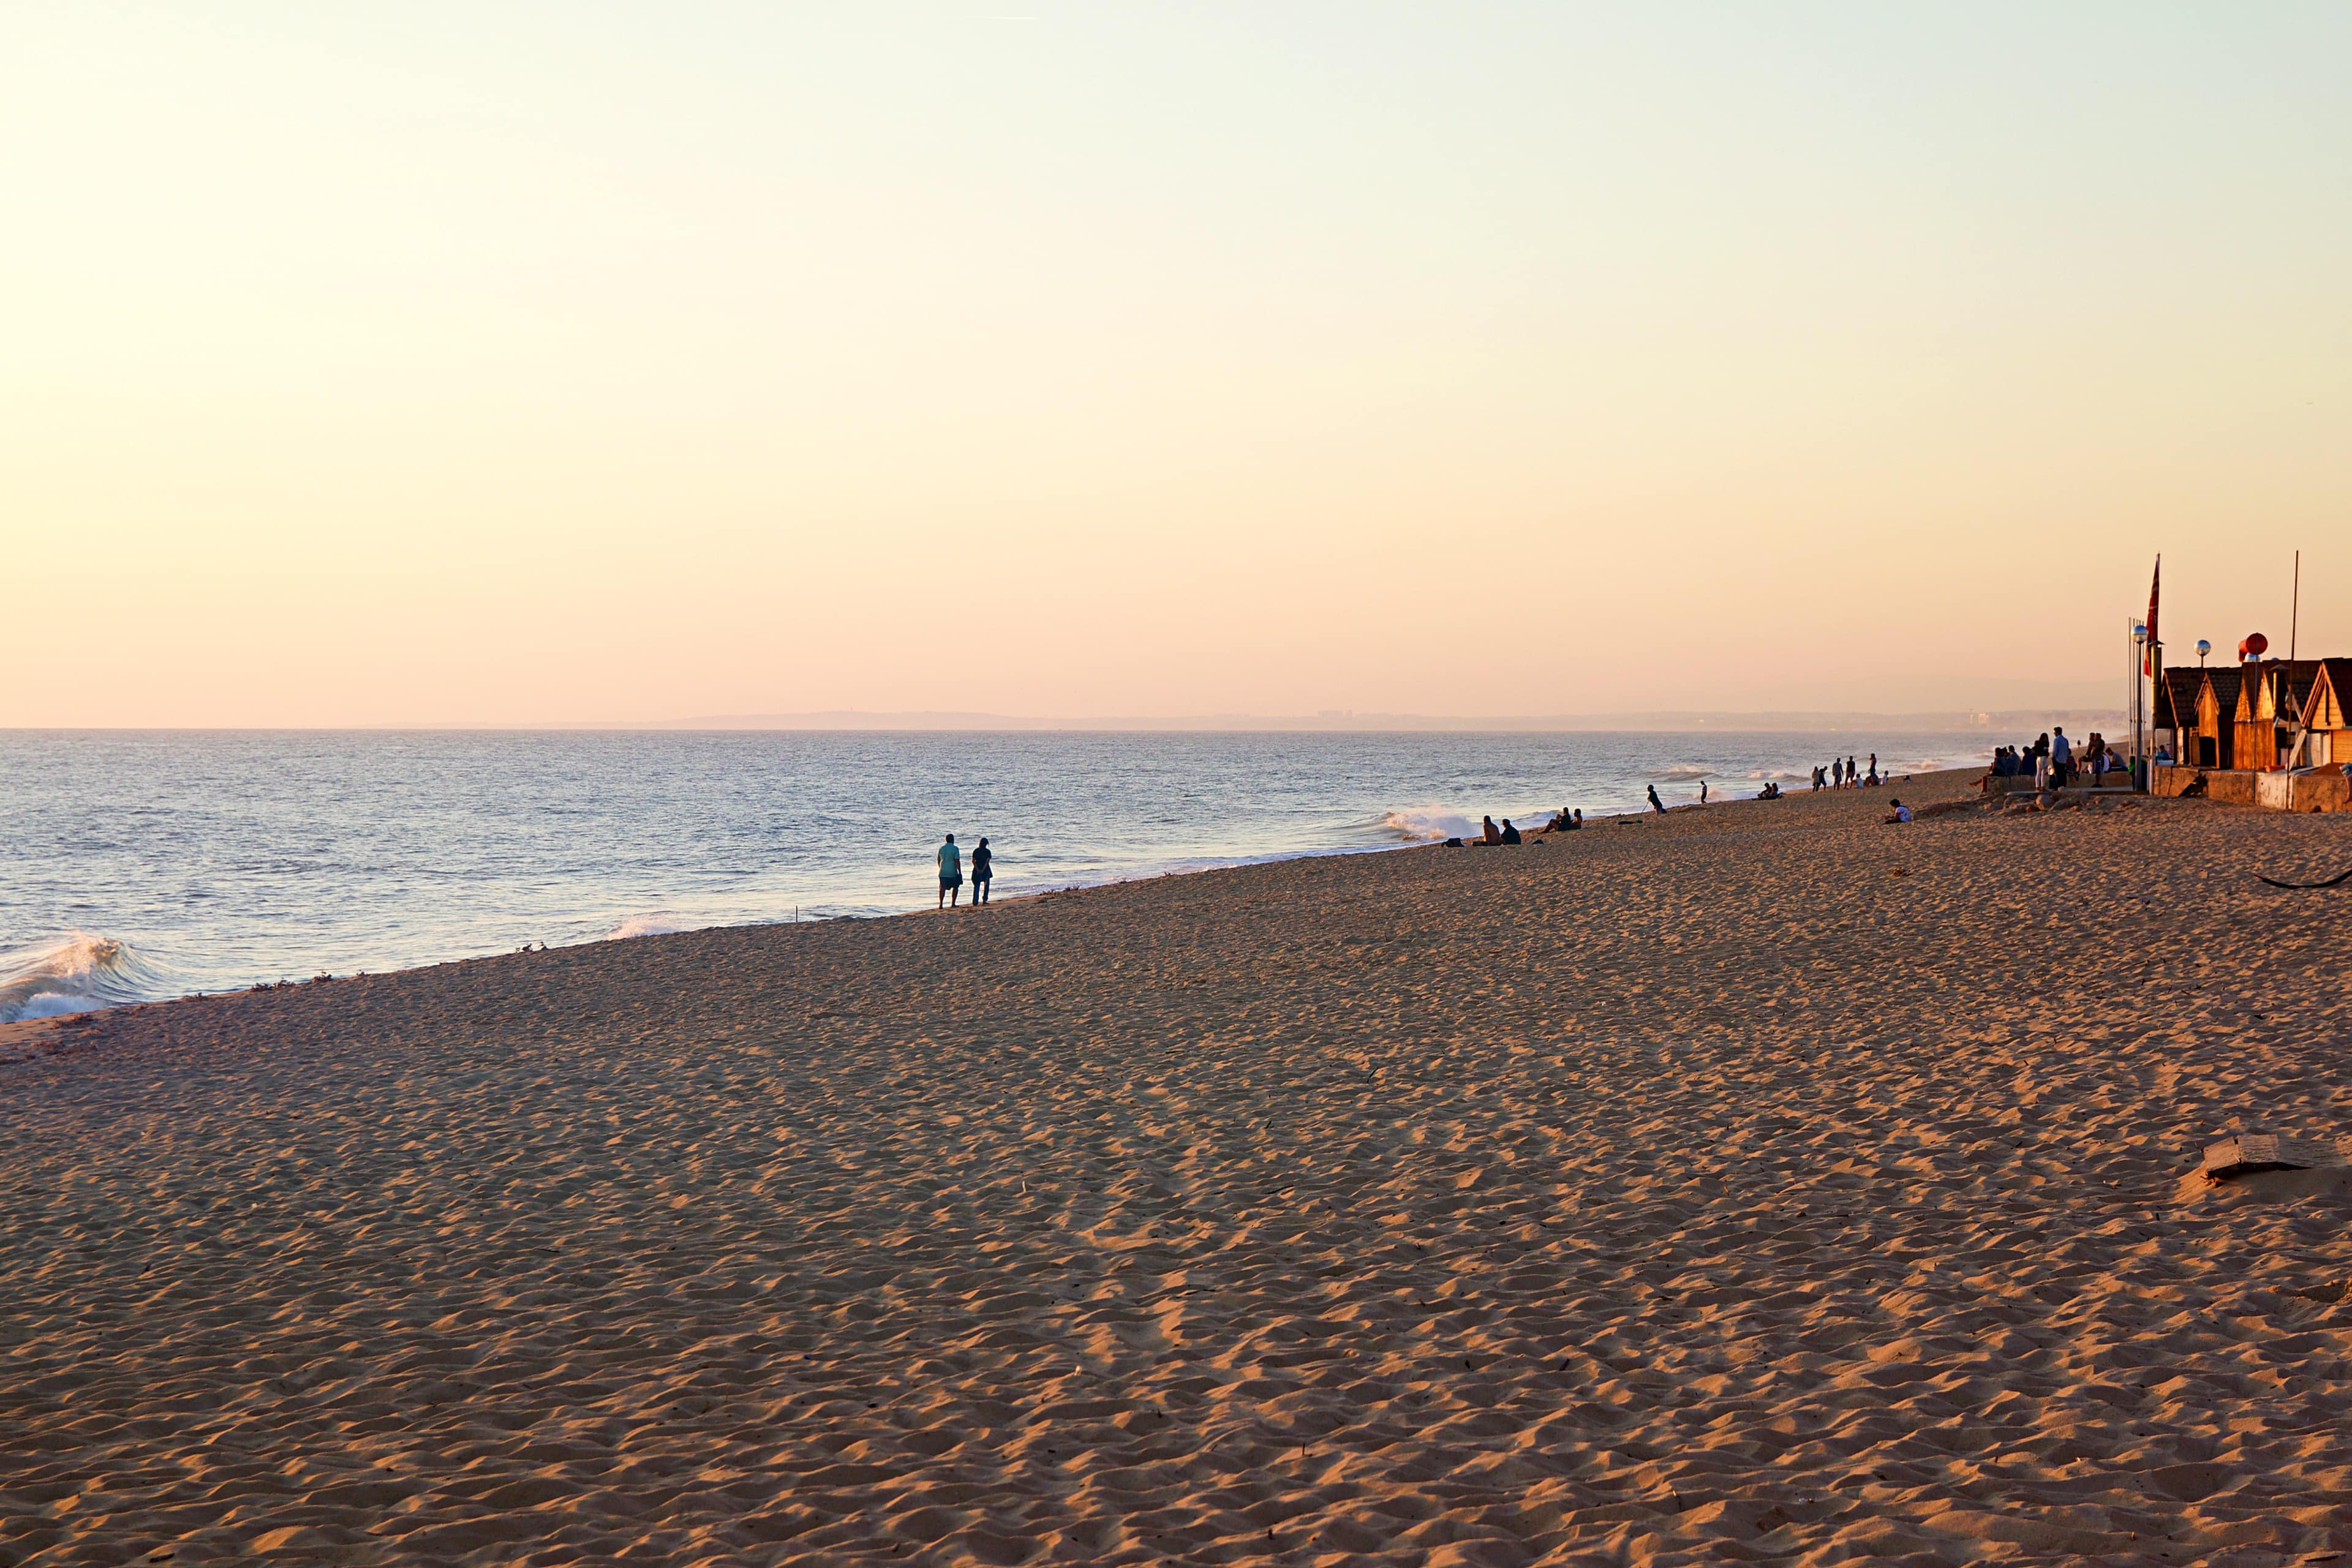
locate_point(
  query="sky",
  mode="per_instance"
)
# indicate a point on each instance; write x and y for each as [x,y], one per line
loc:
[587,363]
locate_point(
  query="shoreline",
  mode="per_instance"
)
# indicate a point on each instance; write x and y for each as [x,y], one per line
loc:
[1148,870]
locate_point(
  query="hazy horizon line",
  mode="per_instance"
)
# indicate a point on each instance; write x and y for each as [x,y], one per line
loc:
[1330,721]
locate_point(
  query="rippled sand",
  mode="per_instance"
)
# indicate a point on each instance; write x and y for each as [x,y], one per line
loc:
[1761,1185]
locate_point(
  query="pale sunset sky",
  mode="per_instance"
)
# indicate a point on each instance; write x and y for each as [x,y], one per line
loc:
[497,362]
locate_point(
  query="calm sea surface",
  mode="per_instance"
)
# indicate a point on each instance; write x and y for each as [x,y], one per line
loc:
[136,866]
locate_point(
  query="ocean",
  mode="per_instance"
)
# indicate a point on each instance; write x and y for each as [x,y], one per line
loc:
[140,866]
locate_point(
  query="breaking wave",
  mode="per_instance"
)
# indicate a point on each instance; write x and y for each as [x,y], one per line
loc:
[1420,823]
[78,972]
[642,925]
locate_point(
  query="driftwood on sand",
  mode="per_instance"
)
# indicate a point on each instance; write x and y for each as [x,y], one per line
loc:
[2248,1152]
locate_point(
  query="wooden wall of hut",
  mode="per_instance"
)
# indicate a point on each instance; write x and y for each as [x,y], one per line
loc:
[2323,714]
[2214,742]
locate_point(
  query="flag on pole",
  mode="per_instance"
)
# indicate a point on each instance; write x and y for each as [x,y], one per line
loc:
[2153,583]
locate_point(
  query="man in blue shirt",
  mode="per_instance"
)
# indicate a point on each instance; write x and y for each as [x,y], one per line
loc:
[951,872]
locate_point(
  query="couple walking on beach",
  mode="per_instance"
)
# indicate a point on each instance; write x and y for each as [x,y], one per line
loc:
[983,867]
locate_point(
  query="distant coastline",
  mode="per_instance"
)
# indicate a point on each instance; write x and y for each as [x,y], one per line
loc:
[1661,722]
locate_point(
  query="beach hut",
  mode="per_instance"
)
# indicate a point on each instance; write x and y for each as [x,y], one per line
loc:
[2253,732]
[2271,698]
[2212,739]
[2175,712]
[2325,712]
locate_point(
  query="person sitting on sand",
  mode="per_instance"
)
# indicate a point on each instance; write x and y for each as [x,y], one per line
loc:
[1510,834]
[1489,833]
[1655,804]
[983,866]
[951,872]
[1902,812]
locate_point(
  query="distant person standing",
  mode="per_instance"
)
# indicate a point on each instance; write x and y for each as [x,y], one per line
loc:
[2061,756]
[1874,764]
[1702,791]
[1852,775]
[1655,804]
[983,866]
[951,872]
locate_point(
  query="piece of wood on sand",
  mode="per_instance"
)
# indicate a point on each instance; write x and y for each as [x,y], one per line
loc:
[2248,1152]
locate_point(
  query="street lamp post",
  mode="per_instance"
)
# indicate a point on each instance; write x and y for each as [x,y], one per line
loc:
[2139,651]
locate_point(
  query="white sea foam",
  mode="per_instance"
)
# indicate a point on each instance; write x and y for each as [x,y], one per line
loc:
[642,925]
[1422,823]
[1687,771]
[80,971]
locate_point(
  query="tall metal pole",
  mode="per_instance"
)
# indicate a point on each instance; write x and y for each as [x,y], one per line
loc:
[2294,616]
[2131,709]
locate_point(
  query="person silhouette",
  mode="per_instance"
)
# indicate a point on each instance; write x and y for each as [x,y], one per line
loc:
[983,866]
[1655,804]
[951,872]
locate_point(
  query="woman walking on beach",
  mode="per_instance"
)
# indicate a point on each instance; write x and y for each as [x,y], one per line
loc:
[951,872]
[982,868]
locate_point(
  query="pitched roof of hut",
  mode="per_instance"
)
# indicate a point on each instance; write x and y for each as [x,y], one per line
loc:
[2176,695]
[2274,689]
[2329,704]
[2225,682]
[2296,677]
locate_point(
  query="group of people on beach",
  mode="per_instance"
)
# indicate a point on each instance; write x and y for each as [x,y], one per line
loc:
[983,868]
[1845,775]
[2051,761]
[1567,820]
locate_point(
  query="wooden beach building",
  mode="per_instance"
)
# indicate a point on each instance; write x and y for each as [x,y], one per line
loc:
[2175,719]
[2271,698]
[2328,742]
[2269,733]
[2213,741]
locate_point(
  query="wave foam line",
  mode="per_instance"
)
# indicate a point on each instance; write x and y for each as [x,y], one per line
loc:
[79,972]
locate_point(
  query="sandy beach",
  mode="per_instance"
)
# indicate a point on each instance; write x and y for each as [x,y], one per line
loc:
[1759,1183]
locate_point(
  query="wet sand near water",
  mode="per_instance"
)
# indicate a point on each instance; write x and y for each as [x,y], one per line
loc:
[1758,1183]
